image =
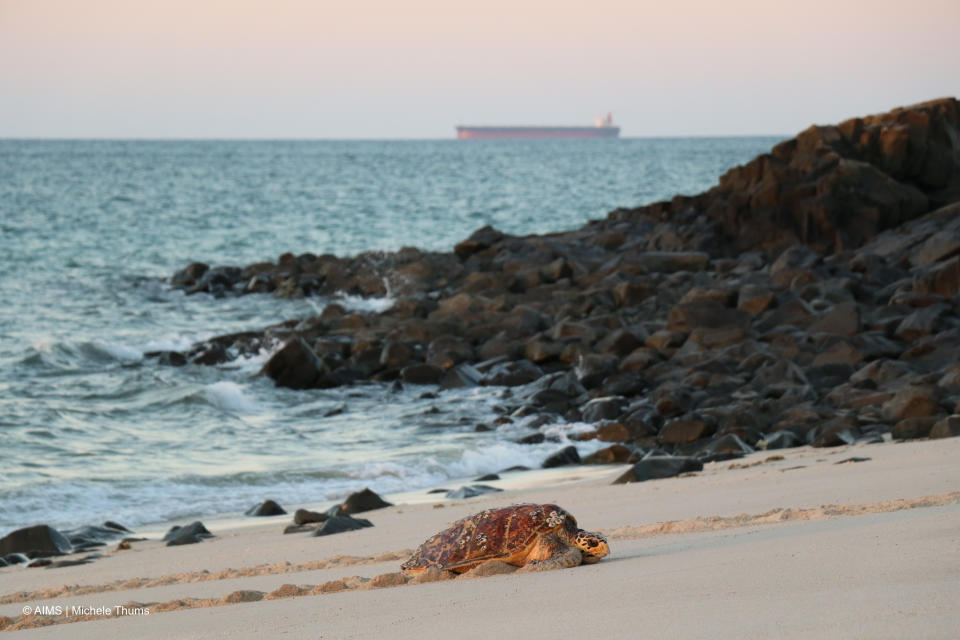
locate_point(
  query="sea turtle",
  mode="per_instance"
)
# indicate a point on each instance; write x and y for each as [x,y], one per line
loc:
[533,536]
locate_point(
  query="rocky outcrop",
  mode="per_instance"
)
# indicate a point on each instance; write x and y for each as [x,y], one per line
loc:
[833,187]
[811,297]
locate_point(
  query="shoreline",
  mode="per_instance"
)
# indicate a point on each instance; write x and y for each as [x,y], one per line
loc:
[509,481]
[804,505]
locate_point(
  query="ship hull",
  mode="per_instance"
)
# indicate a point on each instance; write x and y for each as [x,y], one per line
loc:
[534,133]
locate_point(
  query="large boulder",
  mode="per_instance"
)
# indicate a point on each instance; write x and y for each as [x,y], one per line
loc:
[295,366]
[38,541]
[361,501]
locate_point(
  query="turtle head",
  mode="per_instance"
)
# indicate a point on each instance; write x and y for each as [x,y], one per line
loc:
[593,546]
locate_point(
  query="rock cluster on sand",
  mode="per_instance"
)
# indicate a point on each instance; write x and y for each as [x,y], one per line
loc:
[811,297]
[339,517]
[33,546]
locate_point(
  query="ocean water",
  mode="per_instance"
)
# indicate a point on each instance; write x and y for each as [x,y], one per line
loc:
[91,230]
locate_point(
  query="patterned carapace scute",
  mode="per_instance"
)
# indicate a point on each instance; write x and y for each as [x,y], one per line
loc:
[493,534]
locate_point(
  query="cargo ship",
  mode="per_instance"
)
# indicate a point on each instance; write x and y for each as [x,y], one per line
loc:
[603,128]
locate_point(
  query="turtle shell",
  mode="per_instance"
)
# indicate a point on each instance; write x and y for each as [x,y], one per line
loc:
[493,534]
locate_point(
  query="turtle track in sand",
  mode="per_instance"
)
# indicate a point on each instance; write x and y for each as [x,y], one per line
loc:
[693,525]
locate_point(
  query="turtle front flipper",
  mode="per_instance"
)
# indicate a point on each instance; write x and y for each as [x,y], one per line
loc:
[551,552]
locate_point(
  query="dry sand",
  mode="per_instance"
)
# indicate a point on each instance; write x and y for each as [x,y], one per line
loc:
[793,547]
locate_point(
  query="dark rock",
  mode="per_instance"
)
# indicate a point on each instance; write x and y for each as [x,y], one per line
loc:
[395,355]
[841,353]
[829,375]
[59,564]
[843,319]
[340,524]
[670,262]
[909,428]
[948,427]
[38,541]
[833,433]
[613,432]
[655,467]
[754,299]
[265,508]
[794,267]
[471,491]
[462,375]
[448,351]
[920,323]
[664,340]
[621,342]
[210,354]
[626,384]
[168,358]
[552,400]
[603,409]
[540,349]
[512,374]
[361,501]
[783,439]
[421,374]
[478,241]
[93,536]
[294,366]
[188,534]
[487,477]
[614,454]
[593,368]
[216,281]
[726,444]
[116,526]
[912,402]
[631,294]
[939,246]
[297,528]
[188,276]
[305,516]
[683,430]
[942,278]
[567,455]
[706,315]
[533,438]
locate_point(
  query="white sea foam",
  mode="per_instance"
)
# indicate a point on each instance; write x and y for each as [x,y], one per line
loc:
[253,363]
[175,341]
[230,397]
[359,303]
[121,352]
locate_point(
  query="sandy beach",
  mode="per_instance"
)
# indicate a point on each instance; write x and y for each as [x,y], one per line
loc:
[798,543]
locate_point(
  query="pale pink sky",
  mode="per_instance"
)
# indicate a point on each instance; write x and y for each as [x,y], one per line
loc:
[415,68]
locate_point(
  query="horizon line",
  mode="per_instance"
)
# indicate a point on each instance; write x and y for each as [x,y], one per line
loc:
[359,139]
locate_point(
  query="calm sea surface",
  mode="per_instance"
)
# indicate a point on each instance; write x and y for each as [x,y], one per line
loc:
[89,230]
